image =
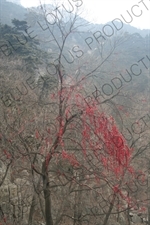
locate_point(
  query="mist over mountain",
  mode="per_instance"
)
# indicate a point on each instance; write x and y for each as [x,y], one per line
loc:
[13,9]
[9,11]
[124,28]
[15,1]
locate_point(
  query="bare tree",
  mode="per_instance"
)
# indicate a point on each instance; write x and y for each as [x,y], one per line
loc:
[70,148]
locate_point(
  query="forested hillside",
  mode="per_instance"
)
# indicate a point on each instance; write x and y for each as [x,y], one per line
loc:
[74,119]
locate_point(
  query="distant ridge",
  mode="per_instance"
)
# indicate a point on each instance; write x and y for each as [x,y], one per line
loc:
[11,9]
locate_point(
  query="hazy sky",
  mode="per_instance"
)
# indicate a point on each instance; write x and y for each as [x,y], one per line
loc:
[102,11]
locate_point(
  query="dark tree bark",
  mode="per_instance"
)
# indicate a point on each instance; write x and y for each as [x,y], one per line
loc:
[47,196]
[109,211]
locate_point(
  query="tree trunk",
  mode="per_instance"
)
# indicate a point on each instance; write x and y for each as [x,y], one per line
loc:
[109,211]
[32,209]
[128,213]
[149,198]
[47,197]
[33,203]
[78,203]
